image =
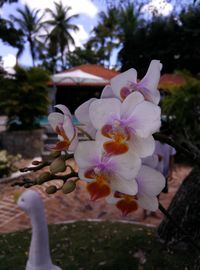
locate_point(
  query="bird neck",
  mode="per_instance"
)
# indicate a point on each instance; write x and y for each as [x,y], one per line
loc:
[39,248]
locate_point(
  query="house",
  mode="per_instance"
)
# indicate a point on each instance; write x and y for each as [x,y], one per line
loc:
[169,81]
[74,86]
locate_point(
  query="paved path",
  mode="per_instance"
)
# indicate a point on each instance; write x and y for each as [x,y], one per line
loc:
[74,206]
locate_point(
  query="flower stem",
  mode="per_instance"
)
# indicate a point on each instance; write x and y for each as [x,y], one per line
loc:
[85,132]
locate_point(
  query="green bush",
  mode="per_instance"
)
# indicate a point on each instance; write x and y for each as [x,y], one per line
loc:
[24,98]
[7,163]
[182,110]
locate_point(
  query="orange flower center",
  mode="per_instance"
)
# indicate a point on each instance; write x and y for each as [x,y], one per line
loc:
[119,137]
[64,144]
[126,204]
[100,187]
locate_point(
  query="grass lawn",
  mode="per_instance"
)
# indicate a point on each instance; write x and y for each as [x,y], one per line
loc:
[96,245]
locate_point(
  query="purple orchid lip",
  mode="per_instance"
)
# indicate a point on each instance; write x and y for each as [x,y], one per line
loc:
[124,92]
[103,164]
[136,87]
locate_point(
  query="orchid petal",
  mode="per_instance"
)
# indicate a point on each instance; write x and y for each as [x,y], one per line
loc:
[90,130]
[144,147]
[122,80]
[152,77]
[130,103]
[68,127]
[147,202]
[151,161]
[127,165]
[150,182]
[122,185]
[73,144]
[107,92]
[146,119]
[55,119]
[82,112]
[102,111]
[63,109]
[150,96]
[87,153]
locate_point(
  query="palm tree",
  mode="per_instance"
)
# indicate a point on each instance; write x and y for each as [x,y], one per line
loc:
[129,21]
[30,24]
[106,32]
[61,27]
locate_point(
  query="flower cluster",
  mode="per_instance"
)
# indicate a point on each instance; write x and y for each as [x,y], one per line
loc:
[117,161]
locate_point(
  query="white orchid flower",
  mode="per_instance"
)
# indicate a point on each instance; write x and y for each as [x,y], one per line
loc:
[63,126]
[105,173]
[82,114]
[150,184]
[125,83]
[126,125]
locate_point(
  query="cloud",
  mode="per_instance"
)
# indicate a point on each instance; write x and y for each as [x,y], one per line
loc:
[159,7]
[80,36]
[9,61]
[82,7]
[86,7]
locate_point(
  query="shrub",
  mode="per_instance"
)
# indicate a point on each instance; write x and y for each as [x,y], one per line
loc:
[182,110]
[24,98]
[7,163]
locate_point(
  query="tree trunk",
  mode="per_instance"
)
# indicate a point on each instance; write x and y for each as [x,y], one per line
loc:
[185,210]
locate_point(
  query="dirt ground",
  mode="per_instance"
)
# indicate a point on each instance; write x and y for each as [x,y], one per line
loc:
[77,205]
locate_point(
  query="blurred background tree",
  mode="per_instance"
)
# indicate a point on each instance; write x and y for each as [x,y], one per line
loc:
[8,33]
[60,36]
[181,107]
[122,30]
[24,98]
[30,24]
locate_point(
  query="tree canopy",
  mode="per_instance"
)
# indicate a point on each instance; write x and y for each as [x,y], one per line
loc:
[173,40]
[182,110]
[30,24]
[60,34]
[24,98]
[121,30]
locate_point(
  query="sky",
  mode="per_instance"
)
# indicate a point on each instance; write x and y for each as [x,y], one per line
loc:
[88,18]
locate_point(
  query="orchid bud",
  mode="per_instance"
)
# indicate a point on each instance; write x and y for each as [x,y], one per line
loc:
[16,195]
[55,154]
[51,189]
[69,187]
[36,162]
[58,165]
[43,178]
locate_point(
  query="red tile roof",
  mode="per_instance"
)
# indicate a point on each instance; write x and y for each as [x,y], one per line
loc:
[170,80]
[96,70]
[167,81]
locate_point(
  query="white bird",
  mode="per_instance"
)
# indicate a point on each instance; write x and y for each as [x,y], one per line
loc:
[39,253]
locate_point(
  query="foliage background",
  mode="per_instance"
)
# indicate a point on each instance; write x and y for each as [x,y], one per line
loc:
[182,110]
[24,98]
